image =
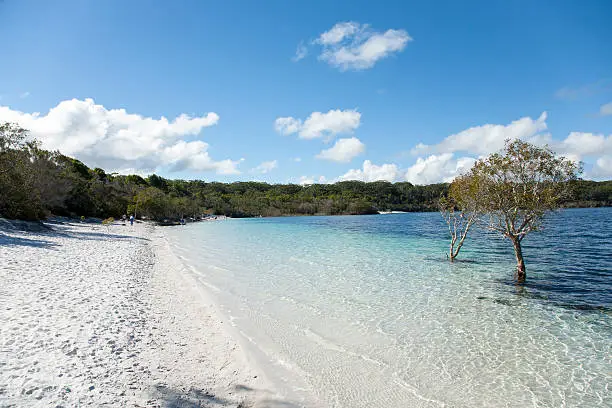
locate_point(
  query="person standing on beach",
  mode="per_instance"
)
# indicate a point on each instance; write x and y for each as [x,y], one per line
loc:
[131,220]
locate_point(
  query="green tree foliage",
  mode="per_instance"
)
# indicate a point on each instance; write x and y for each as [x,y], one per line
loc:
[32,180]
[16,198]
[514,189]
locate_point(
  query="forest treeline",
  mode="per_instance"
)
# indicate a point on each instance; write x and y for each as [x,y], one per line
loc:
[35,183]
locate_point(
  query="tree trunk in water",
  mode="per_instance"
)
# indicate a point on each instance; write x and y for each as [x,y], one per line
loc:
[521,273]
[452,253]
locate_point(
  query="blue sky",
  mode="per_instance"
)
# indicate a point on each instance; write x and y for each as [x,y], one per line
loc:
[405,90]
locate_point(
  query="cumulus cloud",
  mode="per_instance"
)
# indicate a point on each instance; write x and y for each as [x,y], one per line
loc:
[308,180]
[606,110]
[117,140]
[580,144]
[354,46]
[488,138]
[438,163]
[433,169]
[483,140]
[320,124]
[338,33]
[193,156]
[602,169]
[372,172]
[438,168]
[343,151]
[441,164]
[457,153]
[287,126]
[265,167]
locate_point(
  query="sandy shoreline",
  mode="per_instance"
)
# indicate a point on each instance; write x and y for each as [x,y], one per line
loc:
[96,316]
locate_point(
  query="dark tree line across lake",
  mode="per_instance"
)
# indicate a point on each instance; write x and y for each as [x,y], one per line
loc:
[35,183]
[76,190]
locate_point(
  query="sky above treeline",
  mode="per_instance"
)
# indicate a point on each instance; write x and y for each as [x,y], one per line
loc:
[308,92]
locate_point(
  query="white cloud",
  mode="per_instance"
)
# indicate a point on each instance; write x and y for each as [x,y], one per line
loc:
[482,140]
[331,123]
[320,124]
[372,172]
[488,138]
[606,110]
[602,169]
[24,95]
[308,180]
[351,45]
[437,168]
[265,167]
[297,159]
[442,162]
[193,156]
[117,140]
[433,169]
[343,151]
[579,144]
[287,126]
[338,33]
[300,53]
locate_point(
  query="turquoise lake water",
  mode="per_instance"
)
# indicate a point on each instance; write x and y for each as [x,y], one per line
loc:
[365,311]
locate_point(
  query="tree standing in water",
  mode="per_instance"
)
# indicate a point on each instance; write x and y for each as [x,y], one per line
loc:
[515,188]
[459,211]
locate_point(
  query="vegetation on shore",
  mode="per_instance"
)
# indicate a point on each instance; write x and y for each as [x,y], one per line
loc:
[35,183]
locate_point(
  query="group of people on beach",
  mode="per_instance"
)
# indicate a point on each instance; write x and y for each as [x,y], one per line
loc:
[124,218]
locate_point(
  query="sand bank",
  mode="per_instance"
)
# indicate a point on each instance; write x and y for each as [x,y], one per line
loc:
[96,316]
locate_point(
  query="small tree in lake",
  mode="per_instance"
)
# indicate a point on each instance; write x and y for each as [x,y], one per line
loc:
[517,187]
[459,211]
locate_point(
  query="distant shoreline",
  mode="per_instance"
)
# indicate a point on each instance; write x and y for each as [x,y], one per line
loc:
[31,225]
[175,223]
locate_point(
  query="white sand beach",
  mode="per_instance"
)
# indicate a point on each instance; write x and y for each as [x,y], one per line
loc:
[96,316]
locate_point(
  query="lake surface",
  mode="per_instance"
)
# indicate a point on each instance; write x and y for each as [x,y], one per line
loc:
[366,311]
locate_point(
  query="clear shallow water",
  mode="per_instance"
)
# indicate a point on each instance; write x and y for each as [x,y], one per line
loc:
[365,311]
